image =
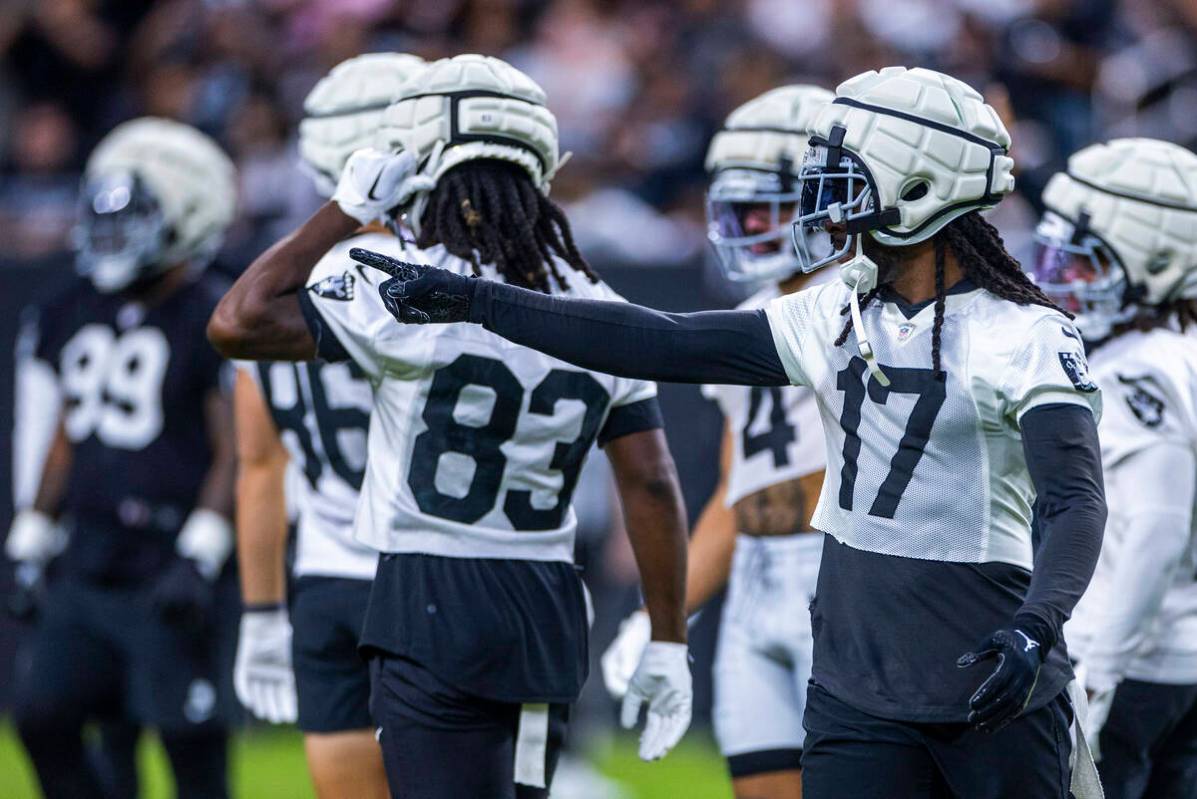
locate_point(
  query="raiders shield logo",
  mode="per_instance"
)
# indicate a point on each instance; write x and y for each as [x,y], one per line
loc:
[334,287]
[1147,406]
[1077,371]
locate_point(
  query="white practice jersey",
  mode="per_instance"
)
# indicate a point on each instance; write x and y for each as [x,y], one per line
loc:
[1138,619]
[929,468]
[475,443]
[774,429]
[322,411]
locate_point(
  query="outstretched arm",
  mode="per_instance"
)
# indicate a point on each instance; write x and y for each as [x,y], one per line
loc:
[729,347]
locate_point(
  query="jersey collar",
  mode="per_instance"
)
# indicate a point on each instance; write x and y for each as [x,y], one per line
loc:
[910,310]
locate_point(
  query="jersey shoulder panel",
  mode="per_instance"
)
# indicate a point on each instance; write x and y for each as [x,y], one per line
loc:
[345,294]
[802,324]
[1150,381]
[1028,356]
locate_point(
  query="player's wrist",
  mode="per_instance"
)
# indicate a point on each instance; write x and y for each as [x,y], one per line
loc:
[1037,630]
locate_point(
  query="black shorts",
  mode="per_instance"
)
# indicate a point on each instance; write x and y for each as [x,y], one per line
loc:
[1149,742]
[440,743]
[849,754]
[331,679]
[104,652]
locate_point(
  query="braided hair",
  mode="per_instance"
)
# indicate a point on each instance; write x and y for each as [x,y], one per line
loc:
[981,253]
[489,212]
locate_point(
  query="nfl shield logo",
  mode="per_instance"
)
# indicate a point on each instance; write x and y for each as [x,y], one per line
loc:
[904,330]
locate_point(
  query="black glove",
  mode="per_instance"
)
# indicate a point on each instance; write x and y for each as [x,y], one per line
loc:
[183,597]
[1006,692]
[417,294]
[26,596]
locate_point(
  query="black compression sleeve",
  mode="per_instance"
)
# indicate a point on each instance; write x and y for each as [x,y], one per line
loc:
[730,347]
[1064,459]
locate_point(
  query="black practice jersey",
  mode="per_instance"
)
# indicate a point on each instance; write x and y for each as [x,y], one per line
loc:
[134,381]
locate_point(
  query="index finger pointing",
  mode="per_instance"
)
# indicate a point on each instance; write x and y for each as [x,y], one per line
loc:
[392,266]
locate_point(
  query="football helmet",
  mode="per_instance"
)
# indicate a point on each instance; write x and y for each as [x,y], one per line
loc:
[898,154]
[753,198]
[156,193]
[343,111]
[1119,232]
[466,108]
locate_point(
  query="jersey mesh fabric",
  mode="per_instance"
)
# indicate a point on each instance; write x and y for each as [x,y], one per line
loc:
[474,442]
[904,460]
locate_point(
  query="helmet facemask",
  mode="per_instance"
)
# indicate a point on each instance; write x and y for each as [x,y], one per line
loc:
[121,234]
[1080,273]
[750,214]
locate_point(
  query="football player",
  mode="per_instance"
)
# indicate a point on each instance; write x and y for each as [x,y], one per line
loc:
[477,619]
[953,394]
[314,415]
[140,471]
[1118,247]
[772,469]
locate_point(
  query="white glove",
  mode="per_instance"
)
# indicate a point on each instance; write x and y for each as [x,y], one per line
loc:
[207,539]
[262,675]
[34,538]
[620,659]
[663,681]
[374,183]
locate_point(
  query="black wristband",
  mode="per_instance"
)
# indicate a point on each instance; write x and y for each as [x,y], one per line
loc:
[262,607]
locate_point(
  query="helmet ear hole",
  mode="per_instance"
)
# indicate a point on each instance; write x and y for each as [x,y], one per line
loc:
[915,190]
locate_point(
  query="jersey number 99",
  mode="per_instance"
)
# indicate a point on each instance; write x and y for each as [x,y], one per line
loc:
[113,385]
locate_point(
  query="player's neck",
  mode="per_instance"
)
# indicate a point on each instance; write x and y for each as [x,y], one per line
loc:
[915,279]
[159,290]
[795,282]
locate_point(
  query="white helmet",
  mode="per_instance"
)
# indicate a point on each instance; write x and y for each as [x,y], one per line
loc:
[344,111]
[467,108]
[1119,231]
[754,163]
[899,154]
[156,193]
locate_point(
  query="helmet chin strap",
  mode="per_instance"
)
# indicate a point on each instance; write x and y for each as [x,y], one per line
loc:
[861,276]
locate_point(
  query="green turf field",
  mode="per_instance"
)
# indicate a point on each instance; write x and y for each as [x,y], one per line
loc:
[269,764]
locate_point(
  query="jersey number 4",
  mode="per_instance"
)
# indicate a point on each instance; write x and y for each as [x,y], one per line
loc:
[930,391]
[445,434]
[777,436]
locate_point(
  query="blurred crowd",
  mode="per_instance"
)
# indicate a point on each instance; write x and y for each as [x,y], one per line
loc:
[638,87]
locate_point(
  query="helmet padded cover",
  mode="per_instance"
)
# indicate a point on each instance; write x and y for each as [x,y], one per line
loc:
[344,111]
[768,130]
[1154,238]
[900,152]
[189,175]
[499,114]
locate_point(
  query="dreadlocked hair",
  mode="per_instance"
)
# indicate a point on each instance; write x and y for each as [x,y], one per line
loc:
[488,212]
[981,254]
